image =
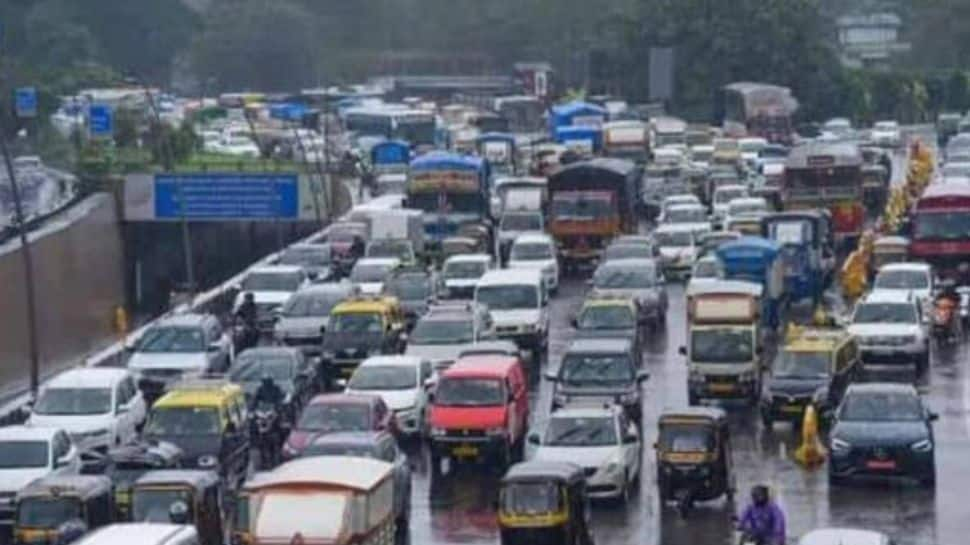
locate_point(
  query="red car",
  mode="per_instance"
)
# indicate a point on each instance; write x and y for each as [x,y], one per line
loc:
[327,413]
[480,410]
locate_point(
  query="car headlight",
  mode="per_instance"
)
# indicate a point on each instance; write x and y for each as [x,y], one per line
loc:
[839,445]
[495,432]
[207,461]
[925,445]
[612,468]
[439,432]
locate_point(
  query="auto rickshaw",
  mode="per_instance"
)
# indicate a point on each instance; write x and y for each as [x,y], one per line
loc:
[47,503]
[889,249]
[125,464]
[694,457]
[153,495]
[544,503]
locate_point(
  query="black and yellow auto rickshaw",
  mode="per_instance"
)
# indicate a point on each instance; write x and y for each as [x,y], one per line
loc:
[46,504]
[127,463]
[544,503]
[694,457]
[155,492]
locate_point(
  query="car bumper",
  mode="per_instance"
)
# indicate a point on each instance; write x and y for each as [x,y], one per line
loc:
[874,354]
[785,408]
[603,485]
[722,388]
[470,448]
[898,461]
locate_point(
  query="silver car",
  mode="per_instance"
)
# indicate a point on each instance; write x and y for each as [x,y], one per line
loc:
[306,313]
[638,279]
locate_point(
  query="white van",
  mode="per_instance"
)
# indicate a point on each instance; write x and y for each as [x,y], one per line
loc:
[519,303]
[142,534]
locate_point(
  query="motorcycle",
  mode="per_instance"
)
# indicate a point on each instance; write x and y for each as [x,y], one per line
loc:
[266,434]
[944,326]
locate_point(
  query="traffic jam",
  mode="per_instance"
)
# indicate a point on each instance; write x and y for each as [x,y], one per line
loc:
[592,323]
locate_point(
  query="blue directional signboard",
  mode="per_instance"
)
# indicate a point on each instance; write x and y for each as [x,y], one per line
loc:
[227,196]
[100,120]
[25,102]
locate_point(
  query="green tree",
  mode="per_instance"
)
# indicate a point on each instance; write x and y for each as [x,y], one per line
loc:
[958,91]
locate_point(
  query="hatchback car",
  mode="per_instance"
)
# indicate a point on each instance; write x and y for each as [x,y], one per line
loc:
[637,279]
[536,251]
[306,315]
[599,370]
[400,381]
[315,258]
[602,440]
[609,317]
[331,413]
[677,246]
[448,328]
[883,429]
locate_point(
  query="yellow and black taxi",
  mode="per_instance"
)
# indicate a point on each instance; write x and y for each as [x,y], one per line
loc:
[207,420]
[47,503]
[361,327]
[815,366]
[155,492]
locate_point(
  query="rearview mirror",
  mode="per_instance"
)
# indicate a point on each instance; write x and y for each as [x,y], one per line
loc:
[682,350]
[642,376]
[551,376]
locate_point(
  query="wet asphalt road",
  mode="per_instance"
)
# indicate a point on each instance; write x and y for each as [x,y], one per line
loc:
[457,507]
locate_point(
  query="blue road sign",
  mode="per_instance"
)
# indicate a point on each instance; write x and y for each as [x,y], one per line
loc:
[25,102]
[100,120]
[227,196]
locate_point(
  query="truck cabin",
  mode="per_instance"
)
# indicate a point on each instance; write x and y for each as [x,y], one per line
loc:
[826,175]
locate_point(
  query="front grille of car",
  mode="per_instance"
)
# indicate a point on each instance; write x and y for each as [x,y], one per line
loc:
[506,329]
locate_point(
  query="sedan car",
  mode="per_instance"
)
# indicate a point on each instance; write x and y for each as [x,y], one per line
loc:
[602,440]
[883,429]
[378,445]
[330,413]
[637,279]
[315,258]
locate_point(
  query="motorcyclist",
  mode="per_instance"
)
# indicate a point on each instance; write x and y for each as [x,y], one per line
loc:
[178,512]
[269,392]
[249,315]
[762,522]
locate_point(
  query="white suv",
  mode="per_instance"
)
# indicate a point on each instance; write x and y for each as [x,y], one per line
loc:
[100,407]
[600,439]
[536,251]
[27,454]
[890,329]
[519,304]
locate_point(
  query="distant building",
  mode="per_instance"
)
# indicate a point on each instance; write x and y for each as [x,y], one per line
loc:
[870,41]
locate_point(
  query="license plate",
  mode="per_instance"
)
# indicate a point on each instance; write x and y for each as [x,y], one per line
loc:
[881,464]
[465,451]
[722,388]
[791,408]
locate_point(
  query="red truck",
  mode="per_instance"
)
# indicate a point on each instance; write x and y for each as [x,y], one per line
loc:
[941,230]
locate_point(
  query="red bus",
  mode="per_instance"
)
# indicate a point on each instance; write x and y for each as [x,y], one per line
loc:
[941,230]
[827,176]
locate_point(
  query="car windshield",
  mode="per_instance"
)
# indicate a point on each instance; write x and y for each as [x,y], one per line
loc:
[530,498]
[606,317]
[357,451]
[626,277]
[324,417]
[305,305]
[369,273]
[721,345]
[628,251]
[306,257]
[530,251]
[884,313]
[172,339]
[23,454]
[508,297]
[469,392]
[252,366]
[686,215]
[430,331]
[677,239]
[73,401]
[272,281]
[47,513]
[356,322]
[568,431]
[881,407]
[464,269]
[684,438]
[153,504]
[384,377]
[390,248]
[580,208]
[586,369]
[521,222]
[942,226]
[182,421]
[798,364]
[409,287]
[902,280]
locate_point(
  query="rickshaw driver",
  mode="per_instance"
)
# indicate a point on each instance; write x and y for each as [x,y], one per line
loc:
[762,522]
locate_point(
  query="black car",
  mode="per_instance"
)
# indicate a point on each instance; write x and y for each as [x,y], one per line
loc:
[882,429]
[599,370]
[289,370]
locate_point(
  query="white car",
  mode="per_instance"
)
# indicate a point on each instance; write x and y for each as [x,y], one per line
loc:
[602,440]
[271,286]
[447,329]
[691,215]
[28,453]
[844,536]
[890,329]
[669,155]
[886,133]
[723,195]
[677,246]
[701,155]
[675,200]
[100,407]
[400,382]
[915,278]
[536,251]
[518,302]
[750,147]
[461,272]
[239,146]
[370,273]
[177,347]
[838,128]
[745,208]
[706,269]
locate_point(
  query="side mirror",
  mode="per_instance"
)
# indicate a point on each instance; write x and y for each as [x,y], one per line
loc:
[122,409]
[214,347]
[551,376]
[932,416]
[642,376]
[533,438]
[682,350]
[66,459]
[130,345]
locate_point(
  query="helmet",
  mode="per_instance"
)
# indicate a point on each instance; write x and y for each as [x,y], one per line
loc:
[266,378]
[248,297]
[178,512]
[759,494]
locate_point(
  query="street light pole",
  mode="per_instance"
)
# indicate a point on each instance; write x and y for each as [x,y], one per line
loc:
[28,262]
